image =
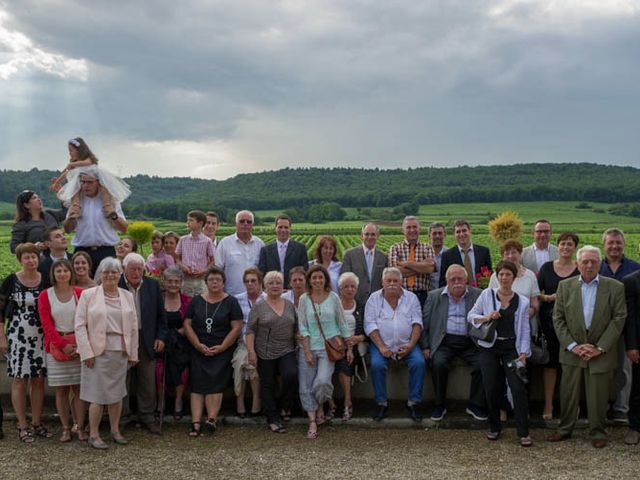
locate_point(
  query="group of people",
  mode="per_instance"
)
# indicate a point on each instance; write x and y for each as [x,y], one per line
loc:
[102,328]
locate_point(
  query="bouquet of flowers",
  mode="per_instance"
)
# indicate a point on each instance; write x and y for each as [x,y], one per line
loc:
[482,278]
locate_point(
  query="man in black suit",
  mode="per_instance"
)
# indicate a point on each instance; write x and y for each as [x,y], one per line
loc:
[152,328]
[284,253]
[367,262]
[56,244]
[471,257]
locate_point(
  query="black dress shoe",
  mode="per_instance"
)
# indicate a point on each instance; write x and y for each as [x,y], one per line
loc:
[380,412]
[413,414]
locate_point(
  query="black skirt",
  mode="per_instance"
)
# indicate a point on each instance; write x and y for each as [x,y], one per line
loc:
[210,374]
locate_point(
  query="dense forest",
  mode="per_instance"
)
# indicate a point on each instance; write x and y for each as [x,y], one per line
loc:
[301,190]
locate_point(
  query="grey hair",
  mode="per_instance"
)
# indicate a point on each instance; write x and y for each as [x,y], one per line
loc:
[132,258]
[615,232]
[410,218]
[391,271]
[588,248]
[243,212]
[371,223]
[272,274]
[456,266]
[172,271]
[346,276]
[108,264]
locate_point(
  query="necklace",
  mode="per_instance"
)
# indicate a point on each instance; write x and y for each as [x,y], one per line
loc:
[209,319]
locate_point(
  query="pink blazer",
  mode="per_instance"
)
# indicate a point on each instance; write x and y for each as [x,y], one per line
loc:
[91,323]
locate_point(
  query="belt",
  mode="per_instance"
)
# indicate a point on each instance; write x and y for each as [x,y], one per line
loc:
[505,338]
[93,249]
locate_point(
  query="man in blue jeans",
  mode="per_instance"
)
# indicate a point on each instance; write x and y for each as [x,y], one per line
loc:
[393,322]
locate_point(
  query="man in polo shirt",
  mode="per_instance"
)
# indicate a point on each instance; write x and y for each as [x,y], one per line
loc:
[237,252]
[96,230]
[616,265]
[414,259]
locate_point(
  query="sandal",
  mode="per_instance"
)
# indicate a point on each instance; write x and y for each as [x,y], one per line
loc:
[82,434]
[195,430]
[331,412]
[211,424]
[547,417]
[25,435]
[177,415]
[286,415]
[66,435]
[42,431]
[347,414]
[312,434]
[526,441]
[277,428]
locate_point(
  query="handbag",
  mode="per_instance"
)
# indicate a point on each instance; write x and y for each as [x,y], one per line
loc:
[334,346]
[539,350]
[58,354]
[487,330]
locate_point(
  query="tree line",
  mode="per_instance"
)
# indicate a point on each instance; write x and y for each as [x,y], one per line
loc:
[313,193]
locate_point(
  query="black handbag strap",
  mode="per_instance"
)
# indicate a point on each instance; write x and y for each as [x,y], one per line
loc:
[493,297]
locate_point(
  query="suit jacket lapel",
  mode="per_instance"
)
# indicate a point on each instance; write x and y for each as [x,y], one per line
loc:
[579,315]
[598,309]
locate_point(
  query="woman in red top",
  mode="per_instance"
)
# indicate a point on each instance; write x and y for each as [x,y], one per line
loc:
[57,307]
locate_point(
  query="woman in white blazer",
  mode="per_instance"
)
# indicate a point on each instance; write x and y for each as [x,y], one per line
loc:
[106,328]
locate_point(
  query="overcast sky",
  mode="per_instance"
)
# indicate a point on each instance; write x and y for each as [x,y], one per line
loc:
[215,88]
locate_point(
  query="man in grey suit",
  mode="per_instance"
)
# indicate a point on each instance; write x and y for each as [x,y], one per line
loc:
[283,254]
[540,251]
[367,262]
[445,337]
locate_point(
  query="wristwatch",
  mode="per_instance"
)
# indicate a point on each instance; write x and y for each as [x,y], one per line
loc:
[113,216]
[600,349]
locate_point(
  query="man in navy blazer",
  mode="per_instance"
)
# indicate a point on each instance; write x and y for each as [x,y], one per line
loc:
[284,253]
[152,324]
[478,256]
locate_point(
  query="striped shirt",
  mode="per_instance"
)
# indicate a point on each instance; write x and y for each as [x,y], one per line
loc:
[399,252]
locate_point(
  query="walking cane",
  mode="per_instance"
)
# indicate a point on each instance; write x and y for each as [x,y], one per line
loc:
[163,387]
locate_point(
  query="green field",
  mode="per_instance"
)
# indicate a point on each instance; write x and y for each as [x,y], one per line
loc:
[587,223]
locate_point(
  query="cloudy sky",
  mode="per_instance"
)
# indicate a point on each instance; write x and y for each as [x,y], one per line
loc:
[216,88]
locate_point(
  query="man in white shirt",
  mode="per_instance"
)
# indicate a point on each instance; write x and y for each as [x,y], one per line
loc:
[237,252]
[540,251]
[393,322]
[96,229]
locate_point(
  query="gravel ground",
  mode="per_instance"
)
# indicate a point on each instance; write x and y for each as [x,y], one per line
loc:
[253,452]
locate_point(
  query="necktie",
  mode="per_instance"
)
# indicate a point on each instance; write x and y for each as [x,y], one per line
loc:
[411,281]
[369,259]
[467,266]
[282,252]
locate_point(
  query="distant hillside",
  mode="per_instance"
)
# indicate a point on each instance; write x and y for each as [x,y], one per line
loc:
[171,197]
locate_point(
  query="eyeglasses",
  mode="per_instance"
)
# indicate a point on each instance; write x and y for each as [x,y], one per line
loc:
[245,220]
[251,280]
[111,272]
